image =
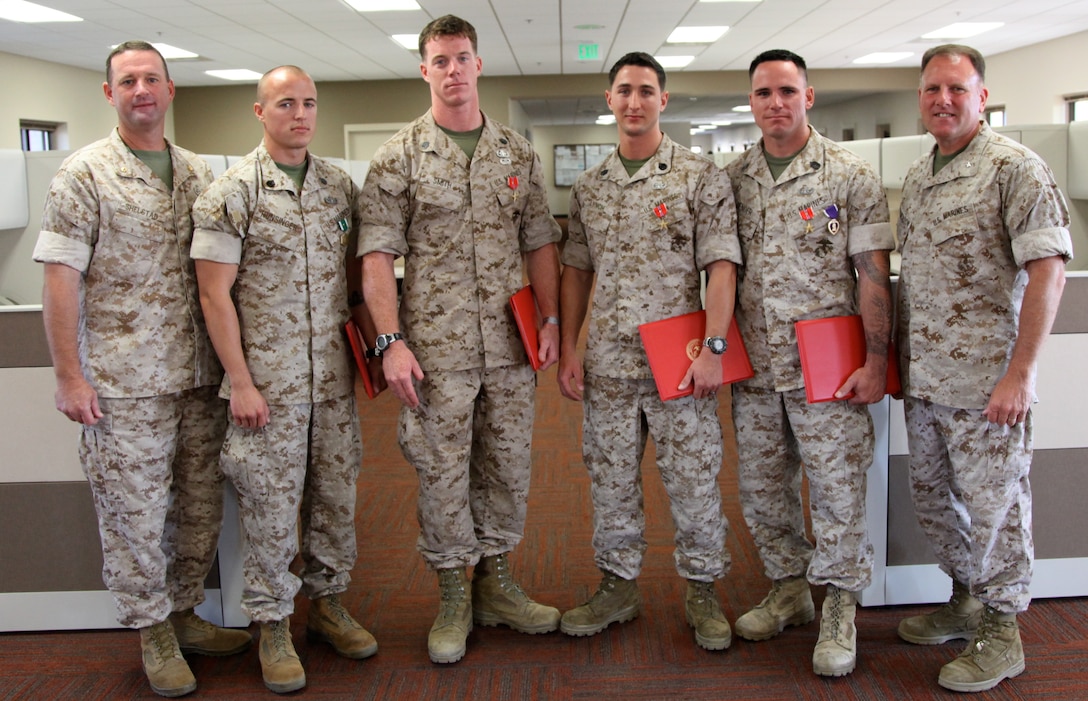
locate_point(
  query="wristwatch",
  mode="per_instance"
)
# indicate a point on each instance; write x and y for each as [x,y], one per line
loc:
[383,341]
[716,344]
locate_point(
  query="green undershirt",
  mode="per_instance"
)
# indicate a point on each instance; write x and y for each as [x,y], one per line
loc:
[296,173]
[940,161]
[633,166]
[466,140]
[159,163]
[777,165]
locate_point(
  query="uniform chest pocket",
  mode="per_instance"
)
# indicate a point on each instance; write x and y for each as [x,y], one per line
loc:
[132,245]
[960,246]
[273,248]
[436,197]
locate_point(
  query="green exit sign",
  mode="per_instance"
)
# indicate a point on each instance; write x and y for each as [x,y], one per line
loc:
[587,52]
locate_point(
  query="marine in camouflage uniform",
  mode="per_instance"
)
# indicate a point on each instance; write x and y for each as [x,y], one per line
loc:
[144,349]
[272,246]
[291,296]
[134,365]
[461,198]
[984,237]
[647,270]
[813,225]
[793,273]
[645,222]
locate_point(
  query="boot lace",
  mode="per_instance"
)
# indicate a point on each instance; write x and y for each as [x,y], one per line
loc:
[502,574]
[836,611]
[161,640]
[338,612]
[453,591]
[280,636]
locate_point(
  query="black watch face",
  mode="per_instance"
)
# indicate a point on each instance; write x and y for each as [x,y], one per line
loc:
[381,342]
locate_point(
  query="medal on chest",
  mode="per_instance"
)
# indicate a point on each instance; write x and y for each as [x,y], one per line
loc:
[660,211]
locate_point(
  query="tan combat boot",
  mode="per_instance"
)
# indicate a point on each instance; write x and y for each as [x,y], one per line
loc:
[994,654]
[195,635]
[615,601]
[330,622]
[497,598]
[166,670]
[789,603]
[704,614]
[280,666]
[958,619]
[836,649]
[448,638]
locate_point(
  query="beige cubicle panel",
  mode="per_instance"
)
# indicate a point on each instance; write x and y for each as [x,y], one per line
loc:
[908,574]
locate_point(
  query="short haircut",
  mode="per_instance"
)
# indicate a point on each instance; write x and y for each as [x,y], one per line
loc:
[638,58]
[779,55]
[264,79]
[446,26]
[135,45]
[971,54]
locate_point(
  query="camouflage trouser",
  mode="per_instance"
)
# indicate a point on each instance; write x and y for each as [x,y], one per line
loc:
[153,467]
[969,483]
[469,441]
[302,466]
[618,416]
[777,433]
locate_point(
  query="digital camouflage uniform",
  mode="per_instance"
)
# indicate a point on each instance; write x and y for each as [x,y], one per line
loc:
[291,297]
[462,227]
[152,459]
[798,269]
[966,234]
[647,269]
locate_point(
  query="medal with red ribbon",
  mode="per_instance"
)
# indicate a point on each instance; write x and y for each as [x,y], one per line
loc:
[512,182]
[661,210]
[807,214]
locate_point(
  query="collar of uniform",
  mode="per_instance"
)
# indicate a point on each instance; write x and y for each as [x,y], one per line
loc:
[431,138]
[658,164]
[133,167]
[966,163]
[809,159]
[272,178]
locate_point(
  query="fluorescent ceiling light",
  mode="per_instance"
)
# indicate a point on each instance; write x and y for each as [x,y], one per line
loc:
[883,57]
[708,127]
[169,52]
[674,61]
[696,35]
[235,74]
[742,108]
[722,123]
[172,52]
[408,41]
[19,11]
[695,130]
[962,30]
[382,5]
[606,119]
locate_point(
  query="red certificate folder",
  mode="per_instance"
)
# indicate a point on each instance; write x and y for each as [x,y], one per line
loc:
[831,349]
[358,351]
[671,344]
[527,317]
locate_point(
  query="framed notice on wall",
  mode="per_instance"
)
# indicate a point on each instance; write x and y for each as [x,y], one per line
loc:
[572,159]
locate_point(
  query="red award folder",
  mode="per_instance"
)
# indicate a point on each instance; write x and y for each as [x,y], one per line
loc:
[358,351]
[527,317]
[831,349]
[671,344]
